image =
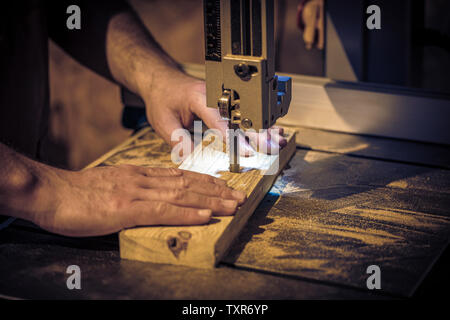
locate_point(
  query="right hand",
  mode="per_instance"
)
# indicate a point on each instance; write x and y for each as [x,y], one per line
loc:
[104,200]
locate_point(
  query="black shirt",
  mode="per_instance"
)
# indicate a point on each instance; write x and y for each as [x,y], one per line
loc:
[24,93]
[25,26]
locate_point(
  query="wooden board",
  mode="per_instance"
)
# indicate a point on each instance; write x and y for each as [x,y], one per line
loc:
[198,246]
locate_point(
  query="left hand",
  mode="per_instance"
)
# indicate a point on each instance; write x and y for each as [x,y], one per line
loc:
[173,106]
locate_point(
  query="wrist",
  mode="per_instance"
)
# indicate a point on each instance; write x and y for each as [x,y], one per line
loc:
[156,81]
[31,191]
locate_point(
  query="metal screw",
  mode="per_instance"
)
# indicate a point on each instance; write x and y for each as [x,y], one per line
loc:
[247,123]
[242,70]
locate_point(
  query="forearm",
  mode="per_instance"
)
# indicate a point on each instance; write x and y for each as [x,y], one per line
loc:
[114,43]
[134,57]
[24,186]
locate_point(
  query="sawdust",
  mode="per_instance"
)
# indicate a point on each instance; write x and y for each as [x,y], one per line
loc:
[290,187]
[404,218]
[402,184]
[367,236]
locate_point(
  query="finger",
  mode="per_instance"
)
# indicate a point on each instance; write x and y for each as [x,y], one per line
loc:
[265,142]
[159,172]
[202,177]
[175,172]
[275,142]
[277,137]
[186,198]
[222,192]
[163,213]
[205,188]
[210,116]
[280,130]
[268,142]
[246,147]
[169,126]
[212,119]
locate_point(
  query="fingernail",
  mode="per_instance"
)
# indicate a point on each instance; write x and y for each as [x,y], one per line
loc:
[239,195]
[205,213]
[230,204]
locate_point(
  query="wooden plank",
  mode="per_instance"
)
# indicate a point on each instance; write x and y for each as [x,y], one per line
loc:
[204,246]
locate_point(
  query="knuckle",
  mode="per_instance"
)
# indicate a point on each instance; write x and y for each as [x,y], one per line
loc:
[210,179]
[160,207]
[118,203]
[115,187]
[126,167]
[150,171]
[184,182]
[218,189]
[176,194]
[213,202]
[137,183]
[175,171]
[223,192]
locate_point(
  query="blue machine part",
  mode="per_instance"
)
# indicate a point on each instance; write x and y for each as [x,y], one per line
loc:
[282,81]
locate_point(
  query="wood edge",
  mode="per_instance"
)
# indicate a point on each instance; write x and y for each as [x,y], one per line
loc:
[141,253]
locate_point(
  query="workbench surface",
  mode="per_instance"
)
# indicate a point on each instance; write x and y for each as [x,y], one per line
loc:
[343,203]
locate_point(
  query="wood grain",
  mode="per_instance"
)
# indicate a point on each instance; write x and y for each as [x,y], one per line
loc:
[204,246]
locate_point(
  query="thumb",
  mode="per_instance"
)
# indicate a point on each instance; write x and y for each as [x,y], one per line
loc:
[163,213]
[170,128]
[212,119]
[210,116]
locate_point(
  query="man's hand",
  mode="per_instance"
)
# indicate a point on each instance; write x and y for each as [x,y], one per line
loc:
[173,105]
[104,200]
